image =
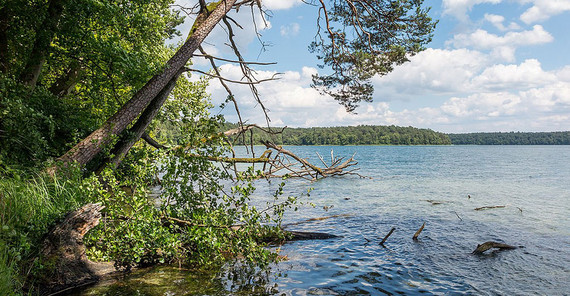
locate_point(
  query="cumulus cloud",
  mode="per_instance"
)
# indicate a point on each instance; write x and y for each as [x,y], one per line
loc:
[500,97]
[502,47]
[498,20]
[290,99]
[459,8]
[290,30]
[527,74]
[482,105]
[481,39]
[432,70]
[280,4]
[544,9]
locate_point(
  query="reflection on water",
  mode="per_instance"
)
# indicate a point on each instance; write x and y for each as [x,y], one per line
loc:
[170,280]
[531,182]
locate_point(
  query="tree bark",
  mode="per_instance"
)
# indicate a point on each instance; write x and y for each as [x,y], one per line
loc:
[63,252]
[135,133]
[44,36]
[89,147]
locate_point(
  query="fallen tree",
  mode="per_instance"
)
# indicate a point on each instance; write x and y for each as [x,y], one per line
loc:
[63,253]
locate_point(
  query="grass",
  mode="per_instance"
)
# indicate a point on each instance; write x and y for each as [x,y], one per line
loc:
[29,207]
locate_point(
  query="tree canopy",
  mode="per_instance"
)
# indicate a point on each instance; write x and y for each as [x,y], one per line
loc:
[365,39]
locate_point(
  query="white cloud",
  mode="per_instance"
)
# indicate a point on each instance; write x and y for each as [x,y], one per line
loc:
[502,47]
[459,8]
[290,99]
[481,39]
[498,20]
[544,9]
[280,4]
[482,105]
[432,70]
[504,77]
[290,30]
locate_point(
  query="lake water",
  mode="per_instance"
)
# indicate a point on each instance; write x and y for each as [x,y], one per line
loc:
[532,182]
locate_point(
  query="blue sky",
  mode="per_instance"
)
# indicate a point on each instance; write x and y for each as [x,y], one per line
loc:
[493,65]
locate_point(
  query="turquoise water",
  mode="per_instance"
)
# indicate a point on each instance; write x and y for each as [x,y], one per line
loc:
[531,182]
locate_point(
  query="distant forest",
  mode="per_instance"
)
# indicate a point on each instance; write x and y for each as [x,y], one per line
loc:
[396,135]
[511,138]
[349,135]
[375,135]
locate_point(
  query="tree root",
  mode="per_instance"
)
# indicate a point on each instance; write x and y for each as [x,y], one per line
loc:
[63,253]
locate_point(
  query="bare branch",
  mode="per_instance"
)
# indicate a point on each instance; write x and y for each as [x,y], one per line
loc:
[207,56]
[249,82]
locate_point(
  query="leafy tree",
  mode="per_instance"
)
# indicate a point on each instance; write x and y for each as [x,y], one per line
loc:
[366,38]
[373,37]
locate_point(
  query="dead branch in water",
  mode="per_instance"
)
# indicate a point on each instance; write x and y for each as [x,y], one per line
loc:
[290,164]
[316,219]
[488,207]
[457,215]
[419,231]
[387,235]
[492,245]
[435,202]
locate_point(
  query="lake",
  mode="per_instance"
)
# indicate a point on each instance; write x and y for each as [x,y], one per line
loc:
[409,185]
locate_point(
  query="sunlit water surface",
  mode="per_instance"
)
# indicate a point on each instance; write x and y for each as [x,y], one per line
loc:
[532,182]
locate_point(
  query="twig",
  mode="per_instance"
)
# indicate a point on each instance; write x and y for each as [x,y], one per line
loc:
[419,231]
[488,207]
[387,235]
[457,215]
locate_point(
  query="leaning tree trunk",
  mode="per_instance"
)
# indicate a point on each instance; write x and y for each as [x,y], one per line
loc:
[46,31]
[135,133]
[89,147]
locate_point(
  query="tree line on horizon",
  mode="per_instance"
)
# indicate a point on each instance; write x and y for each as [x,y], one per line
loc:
[389,135]
[348,135]
[511,138]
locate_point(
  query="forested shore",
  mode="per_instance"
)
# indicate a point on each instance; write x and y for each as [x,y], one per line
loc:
[382,135]
[511,138]
[398,135]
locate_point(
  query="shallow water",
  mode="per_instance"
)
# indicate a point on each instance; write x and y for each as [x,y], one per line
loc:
[532,182]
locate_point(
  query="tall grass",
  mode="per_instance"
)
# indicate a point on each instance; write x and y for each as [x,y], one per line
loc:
[29,207]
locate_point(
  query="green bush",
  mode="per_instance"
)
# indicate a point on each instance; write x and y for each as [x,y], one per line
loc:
[35,125]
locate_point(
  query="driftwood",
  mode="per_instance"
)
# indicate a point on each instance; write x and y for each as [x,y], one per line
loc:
[63,253]
[492,245]
[301,235]
[435,202]
[316,219]
[419,231]
[488,207]
[294,166]
[457,215]
[387,235]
